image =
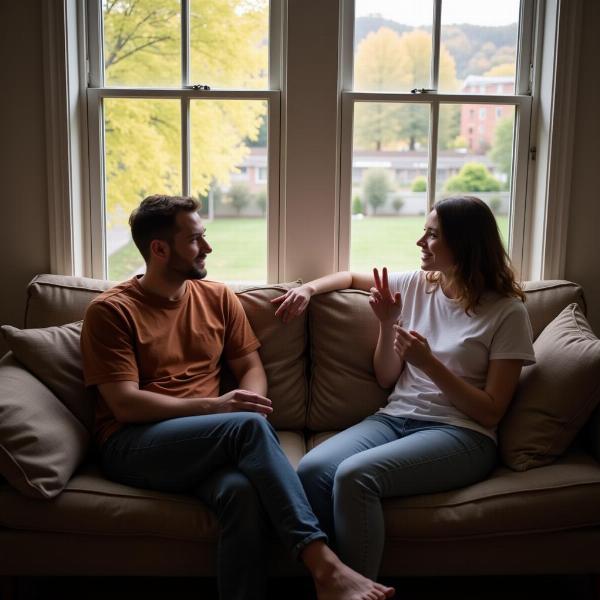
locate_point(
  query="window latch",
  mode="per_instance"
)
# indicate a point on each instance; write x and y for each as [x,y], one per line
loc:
[200,86]
[422,90]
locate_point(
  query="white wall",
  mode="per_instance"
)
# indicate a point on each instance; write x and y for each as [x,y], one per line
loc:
[583,242]
[23,189]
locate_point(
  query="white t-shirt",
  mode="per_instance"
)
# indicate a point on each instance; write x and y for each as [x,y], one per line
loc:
[498,328]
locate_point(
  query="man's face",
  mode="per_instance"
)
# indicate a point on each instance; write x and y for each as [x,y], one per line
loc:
[188,248]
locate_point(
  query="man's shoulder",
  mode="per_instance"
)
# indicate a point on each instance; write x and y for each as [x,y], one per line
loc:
[122,293]
[209,290]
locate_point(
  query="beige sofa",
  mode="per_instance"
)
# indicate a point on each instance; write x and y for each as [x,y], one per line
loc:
[539,520]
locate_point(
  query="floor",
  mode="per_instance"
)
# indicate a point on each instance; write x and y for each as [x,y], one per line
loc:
[443,588]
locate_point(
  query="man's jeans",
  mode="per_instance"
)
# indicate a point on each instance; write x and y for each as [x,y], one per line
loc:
[233,462]
[346,477]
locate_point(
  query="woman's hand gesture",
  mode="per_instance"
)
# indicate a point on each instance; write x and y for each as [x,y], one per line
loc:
[412,347]
[293,303]
[387,308]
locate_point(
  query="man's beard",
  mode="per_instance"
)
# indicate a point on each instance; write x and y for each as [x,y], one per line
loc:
[177,271]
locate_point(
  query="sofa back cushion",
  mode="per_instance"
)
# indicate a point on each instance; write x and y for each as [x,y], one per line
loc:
[343,334]
[546,299]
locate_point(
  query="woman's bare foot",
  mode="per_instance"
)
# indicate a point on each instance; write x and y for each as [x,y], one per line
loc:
[336,581]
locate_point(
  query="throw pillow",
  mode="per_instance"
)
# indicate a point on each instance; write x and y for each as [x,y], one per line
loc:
[555,396]
[53,355]
[41,442]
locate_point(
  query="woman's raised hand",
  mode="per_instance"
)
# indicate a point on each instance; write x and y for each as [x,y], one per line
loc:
[293,303]
[387,307]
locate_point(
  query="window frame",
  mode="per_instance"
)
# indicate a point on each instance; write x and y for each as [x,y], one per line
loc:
[521,100]
[97,92]
[313,204]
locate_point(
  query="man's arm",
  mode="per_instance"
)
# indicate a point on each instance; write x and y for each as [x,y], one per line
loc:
[249,373]
[129,404]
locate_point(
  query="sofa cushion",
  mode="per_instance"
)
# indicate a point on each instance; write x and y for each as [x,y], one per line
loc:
[561,496]
[555,396]
[283,352]
[545,299]
[60,299]
[41,442]
[343,336]
[53,355]
[90,504]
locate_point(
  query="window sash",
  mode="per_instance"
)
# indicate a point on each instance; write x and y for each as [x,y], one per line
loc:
[96,93]
[522,100]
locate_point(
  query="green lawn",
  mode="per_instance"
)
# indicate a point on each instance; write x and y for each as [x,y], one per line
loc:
[240,247]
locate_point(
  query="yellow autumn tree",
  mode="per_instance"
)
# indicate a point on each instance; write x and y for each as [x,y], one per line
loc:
[142,48]
[387,61]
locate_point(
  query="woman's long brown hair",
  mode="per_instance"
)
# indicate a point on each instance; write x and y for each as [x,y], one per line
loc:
[481,263]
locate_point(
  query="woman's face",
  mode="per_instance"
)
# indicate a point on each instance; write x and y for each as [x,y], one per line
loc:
[435,253]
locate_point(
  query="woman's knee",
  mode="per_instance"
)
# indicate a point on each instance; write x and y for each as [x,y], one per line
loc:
[352,477]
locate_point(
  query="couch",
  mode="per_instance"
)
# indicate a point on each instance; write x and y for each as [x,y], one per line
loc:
[537,513]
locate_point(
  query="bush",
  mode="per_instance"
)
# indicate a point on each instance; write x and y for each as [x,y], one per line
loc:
[419,184]
[397,204]
[495,204]
[357,206]
[261,202]
[240,196]
[472,178]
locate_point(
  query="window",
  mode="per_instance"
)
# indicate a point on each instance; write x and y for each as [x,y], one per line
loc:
[405,111]
[176,108]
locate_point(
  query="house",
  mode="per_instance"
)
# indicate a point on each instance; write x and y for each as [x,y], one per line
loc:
[26,245]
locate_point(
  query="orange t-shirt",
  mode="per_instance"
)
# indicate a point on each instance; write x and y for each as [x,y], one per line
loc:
[173,347]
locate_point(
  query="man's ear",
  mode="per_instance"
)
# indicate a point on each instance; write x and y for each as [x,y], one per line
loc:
[159,249]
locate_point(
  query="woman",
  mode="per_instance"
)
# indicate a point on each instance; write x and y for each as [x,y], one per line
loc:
[453,338]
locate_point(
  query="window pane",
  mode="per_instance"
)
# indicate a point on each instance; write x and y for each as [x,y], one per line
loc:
[142,43]
[142,144]
[480,39]
[479,160]
[229,176]
[229,43]
[392,45]
[389,175]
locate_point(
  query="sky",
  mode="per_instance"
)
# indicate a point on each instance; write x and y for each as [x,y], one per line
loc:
[420,12]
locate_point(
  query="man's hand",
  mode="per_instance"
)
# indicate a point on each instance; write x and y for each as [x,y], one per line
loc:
[387,308]
[242,401]
[293,303]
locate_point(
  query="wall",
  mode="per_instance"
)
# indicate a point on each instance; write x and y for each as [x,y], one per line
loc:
[583,242]
[23,207]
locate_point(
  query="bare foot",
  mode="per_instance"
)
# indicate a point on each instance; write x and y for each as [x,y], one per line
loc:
[343,583]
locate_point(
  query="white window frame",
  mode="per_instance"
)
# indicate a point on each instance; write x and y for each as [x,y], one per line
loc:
[97,92]
[521,100]
[316,204]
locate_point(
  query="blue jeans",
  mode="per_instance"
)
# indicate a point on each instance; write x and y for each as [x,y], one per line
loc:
[346,477]
[234,463]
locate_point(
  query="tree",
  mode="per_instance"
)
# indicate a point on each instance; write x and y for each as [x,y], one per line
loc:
[143,136]
[419,184]
[502,148]
[376,187]
[240,196]
[387,61]
[473,177]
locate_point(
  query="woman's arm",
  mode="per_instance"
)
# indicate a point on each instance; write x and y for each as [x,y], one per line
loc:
[486,406]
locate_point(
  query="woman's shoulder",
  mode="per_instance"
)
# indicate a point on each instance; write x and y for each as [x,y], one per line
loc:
[402,280]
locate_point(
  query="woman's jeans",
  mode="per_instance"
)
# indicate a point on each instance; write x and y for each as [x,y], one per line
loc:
[346,476]
[233,462]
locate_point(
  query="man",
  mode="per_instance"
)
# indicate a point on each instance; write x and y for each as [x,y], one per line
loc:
[152,346]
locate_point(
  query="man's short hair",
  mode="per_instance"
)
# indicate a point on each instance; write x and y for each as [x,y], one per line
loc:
[154,219]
